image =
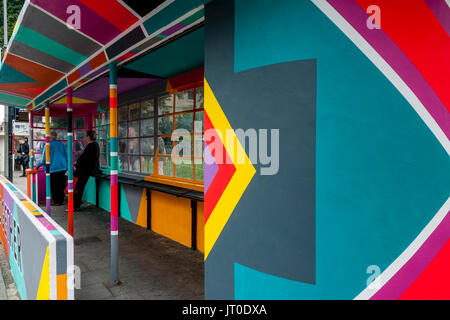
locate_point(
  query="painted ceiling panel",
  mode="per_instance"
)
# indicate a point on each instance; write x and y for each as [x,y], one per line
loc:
[143,7]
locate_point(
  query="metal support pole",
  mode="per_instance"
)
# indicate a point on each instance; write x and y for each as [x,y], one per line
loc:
[47,157]
[114,173]
[70,161]
[10,144]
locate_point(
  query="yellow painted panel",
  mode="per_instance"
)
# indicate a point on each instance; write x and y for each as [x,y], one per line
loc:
[61,282]
[200,227]
[171,217]
[44,284]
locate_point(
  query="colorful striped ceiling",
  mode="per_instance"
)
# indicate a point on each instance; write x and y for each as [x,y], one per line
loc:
[44,56]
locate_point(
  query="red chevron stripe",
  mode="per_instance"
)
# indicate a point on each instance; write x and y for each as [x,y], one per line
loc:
[416,31]
[222,178]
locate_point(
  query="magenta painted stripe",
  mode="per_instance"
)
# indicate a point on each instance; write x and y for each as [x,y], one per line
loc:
[441,11]
[387,48]
[173,29]
[412,269]
[114,223]
[91,23]
[47,224]
[114,180]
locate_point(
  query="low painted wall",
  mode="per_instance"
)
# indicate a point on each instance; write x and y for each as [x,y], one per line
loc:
[40,252]
[171,216]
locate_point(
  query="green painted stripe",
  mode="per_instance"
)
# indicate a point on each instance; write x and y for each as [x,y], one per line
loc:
[9,99]
[196,16]
[44,44]
[50,93]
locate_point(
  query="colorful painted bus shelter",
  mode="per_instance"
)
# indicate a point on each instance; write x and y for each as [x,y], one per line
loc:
[344,195]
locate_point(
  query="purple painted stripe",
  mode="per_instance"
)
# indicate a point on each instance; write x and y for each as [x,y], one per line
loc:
[86,68]
[441,11]
[114,180]
[91,24]
[412,269]
[387,48]
[210,168]
[48,205]
[173,29]
[70,185]
[114,223]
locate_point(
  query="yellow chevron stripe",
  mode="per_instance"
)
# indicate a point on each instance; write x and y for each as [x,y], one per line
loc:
[238,183]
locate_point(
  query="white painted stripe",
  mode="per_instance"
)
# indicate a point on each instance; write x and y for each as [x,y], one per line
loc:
[114,154]
[52,269]
[70,190]
[69,110]
[385,68]
[70,181]
[113,86]
[408,253]
[70,134]
[114,233]
[48,198]
[114,172]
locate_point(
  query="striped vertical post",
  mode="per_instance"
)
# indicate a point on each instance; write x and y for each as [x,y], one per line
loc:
[114,173]
[47,158]
[33,176]
[70,161]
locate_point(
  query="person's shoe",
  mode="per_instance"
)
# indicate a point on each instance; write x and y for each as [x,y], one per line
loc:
[23,175]
[74,210]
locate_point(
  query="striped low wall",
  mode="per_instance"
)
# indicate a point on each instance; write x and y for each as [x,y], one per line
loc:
[40,252]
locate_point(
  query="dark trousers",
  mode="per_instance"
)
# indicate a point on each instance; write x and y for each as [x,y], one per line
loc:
[24,167]
[79,189]
[57,186]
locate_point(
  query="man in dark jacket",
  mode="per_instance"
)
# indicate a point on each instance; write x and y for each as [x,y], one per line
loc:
[87,165]
[24,150]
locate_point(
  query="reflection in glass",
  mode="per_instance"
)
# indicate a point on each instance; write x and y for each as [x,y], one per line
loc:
[80,134]
[147,146]
[133,129]
[199,172]
[148,108]
[147,127]
[60,123]
[185,171]
[165,166]
[123,129]
[38,134]
[123,146]
[184,101]
[165,125]
[79,123]
[199,97]
[133,146]
[199,124]
[147,165]
[134,165]
[122,113]
[38,121]
[165,145]
[123,162]
[134,111]
[165,105]
[184,121]
[78,146]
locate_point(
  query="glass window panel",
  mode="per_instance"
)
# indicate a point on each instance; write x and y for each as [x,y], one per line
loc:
[147,127]
[38,121]
[184,101]
[199,98]
[148,108]
[122,114]
[62,134]
[135,111]
[123,129]
[165,145]
[79,123]
[184,170]
[199,172]
[165,125]
[38,134]
[198,146]
[102,133]
[147,146]
[123,146]
[123,162]
[80,134]
[147,165]
[58,122]
[199,123]
[39,146]
[184,121]
[103,146]
[78,146]
[103,160]
[76,156]
[134,164]
[133,146]
[165,105]
[185,150]
[165,166]
[133,129]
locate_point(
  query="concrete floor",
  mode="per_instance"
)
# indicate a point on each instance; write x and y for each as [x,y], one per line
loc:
[150,266]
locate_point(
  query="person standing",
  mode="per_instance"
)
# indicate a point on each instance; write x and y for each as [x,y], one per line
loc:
[87,165]
[58,168]
[24,150]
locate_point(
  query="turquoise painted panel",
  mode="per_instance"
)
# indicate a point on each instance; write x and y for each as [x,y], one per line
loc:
[184,55]
[52,91]
[381,173]
[13,100]
[104,195]
[89,191]
[11,75]
[124,209]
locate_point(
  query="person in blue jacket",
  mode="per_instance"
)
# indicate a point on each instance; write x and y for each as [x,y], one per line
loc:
[58,168]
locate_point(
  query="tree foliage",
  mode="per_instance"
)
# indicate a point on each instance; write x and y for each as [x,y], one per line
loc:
[14,7]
